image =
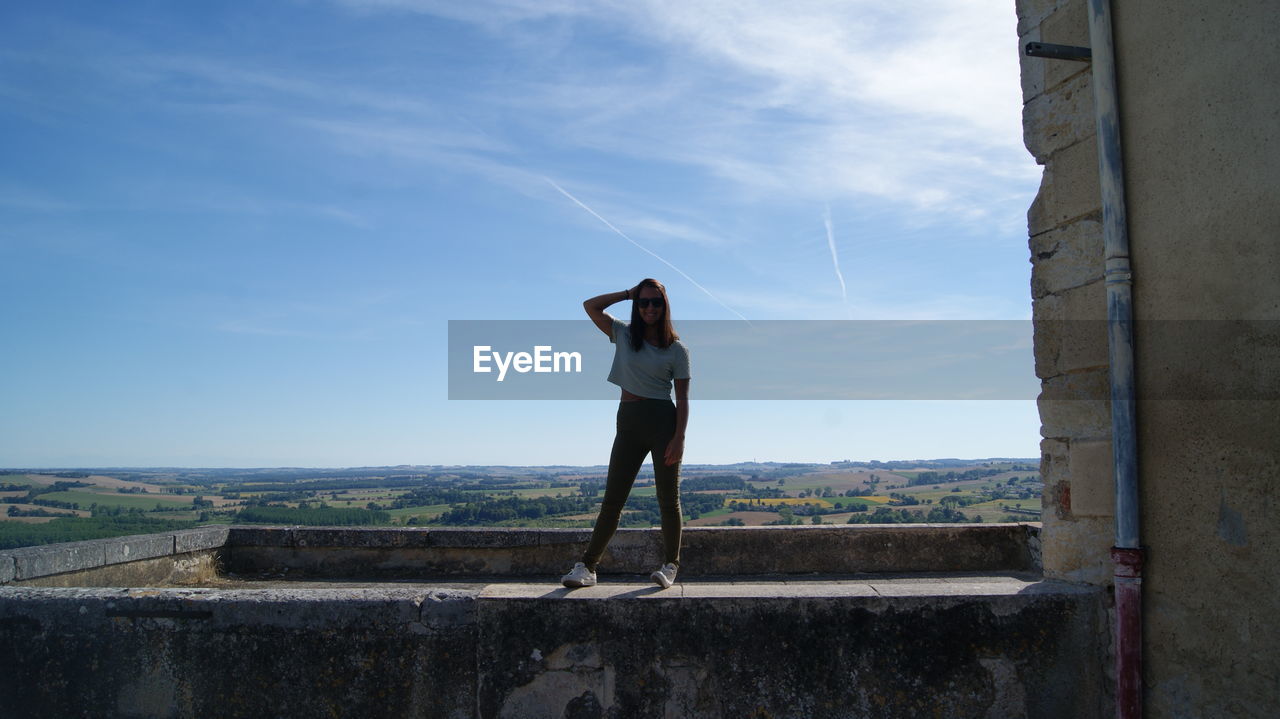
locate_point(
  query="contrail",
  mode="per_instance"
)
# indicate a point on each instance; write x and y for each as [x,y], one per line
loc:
[835,261]
[623,235]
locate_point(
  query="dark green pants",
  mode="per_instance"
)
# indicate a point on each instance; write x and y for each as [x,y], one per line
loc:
[644,427]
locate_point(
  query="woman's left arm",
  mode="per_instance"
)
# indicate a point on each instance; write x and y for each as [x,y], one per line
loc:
[675,448]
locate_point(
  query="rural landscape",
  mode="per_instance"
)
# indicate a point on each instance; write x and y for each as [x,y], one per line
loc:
[44,506]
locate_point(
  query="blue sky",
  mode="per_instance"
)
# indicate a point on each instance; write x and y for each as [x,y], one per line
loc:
[232,234]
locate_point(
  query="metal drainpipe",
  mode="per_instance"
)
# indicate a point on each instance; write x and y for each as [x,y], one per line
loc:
[1126,555]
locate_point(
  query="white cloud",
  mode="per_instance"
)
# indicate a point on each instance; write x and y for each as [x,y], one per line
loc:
[917,104]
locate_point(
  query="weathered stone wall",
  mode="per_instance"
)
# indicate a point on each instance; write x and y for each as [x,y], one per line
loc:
[250,653]
[414,623]
[188,556]
[1068,297]
[707,551]
[195,557]
[1199,112]
[878,648]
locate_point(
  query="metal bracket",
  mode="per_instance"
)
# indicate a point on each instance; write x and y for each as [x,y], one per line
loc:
[1059,52]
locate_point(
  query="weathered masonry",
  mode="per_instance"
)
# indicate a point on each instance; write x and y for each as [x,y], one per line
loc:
[917,620]
[1198,115]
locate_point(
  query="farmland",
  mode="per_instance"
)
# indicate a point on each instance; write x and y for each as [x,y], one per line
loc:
[57,506]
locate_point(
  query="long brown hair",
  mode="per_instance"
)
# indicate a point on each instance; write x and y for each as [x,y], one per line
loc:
[667,332]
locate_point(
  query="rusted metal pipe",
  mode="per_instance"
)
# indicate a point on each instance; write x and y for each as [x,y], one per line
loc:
[1128,579]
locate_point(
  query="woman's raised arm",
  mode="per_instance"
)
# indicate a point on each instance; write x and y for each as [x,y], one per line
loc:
[595,308]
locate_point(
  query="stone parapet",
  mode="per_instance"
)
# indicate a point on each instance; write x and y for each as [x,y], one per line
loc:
[707,551]
[373,553]
[88,557]
[960,646]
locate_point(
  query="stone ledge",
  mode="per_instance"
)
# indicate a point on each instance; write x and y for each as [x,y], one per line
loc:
[407,603]
[831,587]
[707,551]
[51,559]
[372,553]
[193,540]
[955,645]
[118,550]
[30,562]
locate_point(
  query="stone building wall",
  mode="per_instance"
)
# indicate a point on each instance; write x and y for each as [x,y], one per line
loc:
[1068,297]
[1200,114]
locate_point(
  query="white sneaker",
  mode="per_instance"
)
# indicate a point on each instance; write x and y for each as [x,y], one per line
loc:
[666,576]
[579,576]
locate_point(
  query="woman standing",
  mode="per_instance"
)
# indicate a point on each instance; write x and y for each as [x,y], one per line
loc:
[648,358]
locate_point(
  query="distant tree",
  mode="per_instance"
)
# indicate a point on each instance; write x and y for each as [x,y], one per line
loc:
[817,519]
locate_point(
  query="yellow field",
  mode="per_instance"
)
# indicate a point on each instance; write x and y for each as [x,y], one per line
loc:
[828,501]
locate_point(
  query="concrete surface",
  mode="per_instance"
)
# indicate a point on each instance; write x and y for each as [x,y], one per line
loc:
[354,625]
[958,646]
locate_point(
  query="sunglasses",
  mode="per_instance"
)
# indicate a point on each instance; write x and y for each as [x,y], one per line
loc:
[643,302]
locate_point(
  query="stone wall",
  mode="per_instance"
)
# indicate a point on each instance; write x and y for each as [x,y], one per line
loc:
[208,555]
[1199,112]
[1068,297]
[345,622]
[883,648]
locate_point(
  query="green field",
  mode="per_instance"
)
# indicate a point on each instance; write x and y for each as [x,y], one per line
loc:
[126,501]
[535,492]
[429,512]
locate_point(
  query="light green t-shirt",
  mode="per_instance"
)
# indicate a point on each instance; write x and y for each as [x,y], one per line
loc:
[649,372]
